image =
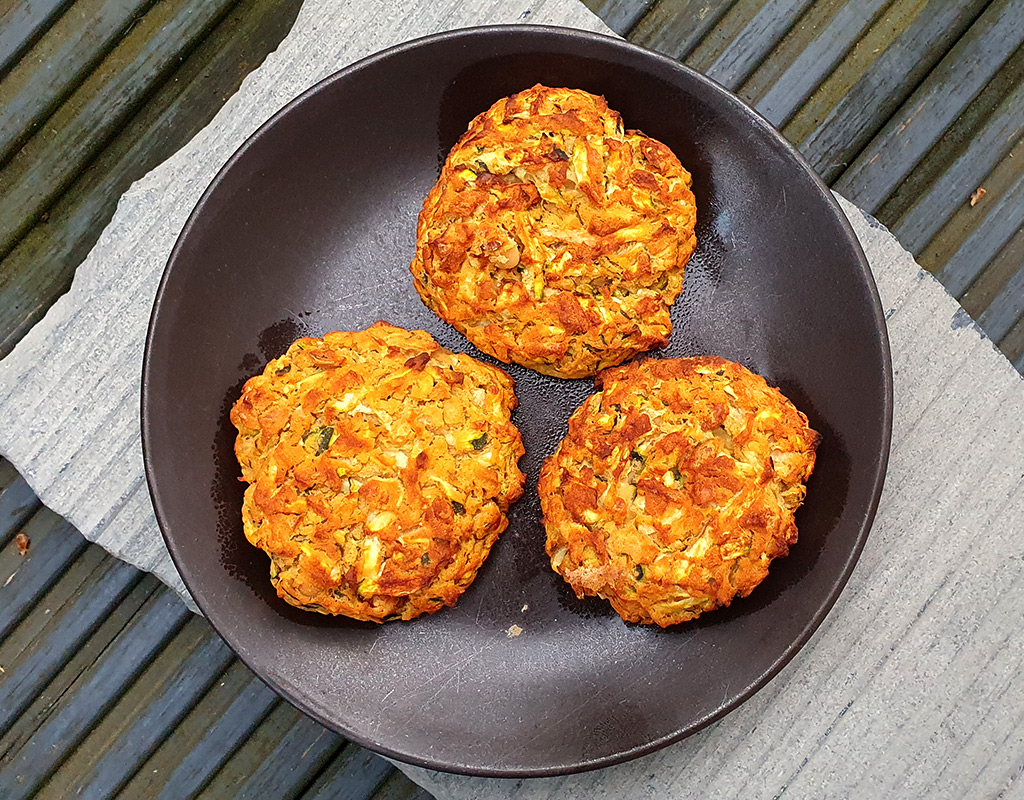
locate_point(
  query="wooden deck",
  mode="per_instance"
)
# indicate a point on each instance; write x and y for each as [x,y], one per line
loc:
[108,686]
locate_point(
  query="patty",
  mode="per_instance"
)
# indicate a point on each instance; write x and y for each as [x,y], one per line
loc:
[554,237]
[380,470]
[675,487]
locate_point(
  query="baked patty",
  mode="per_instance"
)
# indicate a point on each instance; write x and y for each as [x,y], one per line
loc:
[555,238]
[380,468]
[675,487]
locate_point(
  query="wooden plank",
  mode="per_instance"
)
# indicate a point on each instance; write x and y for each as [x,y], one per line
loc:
[399,787]
[40,268]
[974,235]
[281,758]
[45,703]
[17,502]
[875,78]
[54,544]
[58,626]
[994,280]
[1013,345]
[58,63]
[143,717]
[808,55]
[676,27]
[1007,307]
[353,774]
[223,738]
[934,106]
[621,16]
[205,738]
[97,110]
[21,25]
[958,164]
[744,38]
[25,768]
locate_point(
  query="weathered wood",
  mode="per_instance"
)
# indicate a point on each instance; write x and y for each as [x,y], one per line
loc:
[959,162]
[44,704]
[281,758]
[353,774]
[58,63]
[17,502]
[676,27]
[993,283]
[744,38]
[1013,345]
[41,266]
[621,16]
[21,25]
[1006,308]
[399,787]
[205,738]
[874,79]
[143,717]
[934,106]
[54,544]
[38,756]
[820,41]
[37,174]
[58,626]
[968,242]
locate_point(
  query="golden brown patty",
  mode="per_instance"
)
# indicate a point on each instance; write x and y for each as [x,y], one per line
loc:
[675,487]
[380,468]
[554,238]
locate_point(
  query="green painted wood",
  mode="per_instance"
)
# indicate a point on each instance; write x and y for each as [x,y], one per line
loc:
[934,106]
[143,717]
[398,787]
[41,266]
[37,174]
[353,774]
[993,281]
[202,741]
[744,37]
[959,252]
[24,769]
[223,738]
[58,63]
[621,16]
[54,545]
[21,25]
[676,27]
[280,759]
[44,704]
[960,162]
[819,41]
[1006,308]
[57,627]
[17,502]
[1013,345]
[875,78]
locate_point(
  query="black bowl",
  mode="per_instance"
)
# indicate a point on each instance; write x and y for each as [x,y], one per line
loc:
[310,228]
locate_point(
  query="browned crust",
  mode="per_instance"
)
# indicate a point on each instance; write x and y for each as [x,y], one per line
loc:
[675,487]
[380,469]
[555,238]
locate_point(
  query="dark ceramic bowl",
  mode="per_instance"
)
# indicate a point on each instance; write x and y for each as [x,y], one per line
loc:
[310,228]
